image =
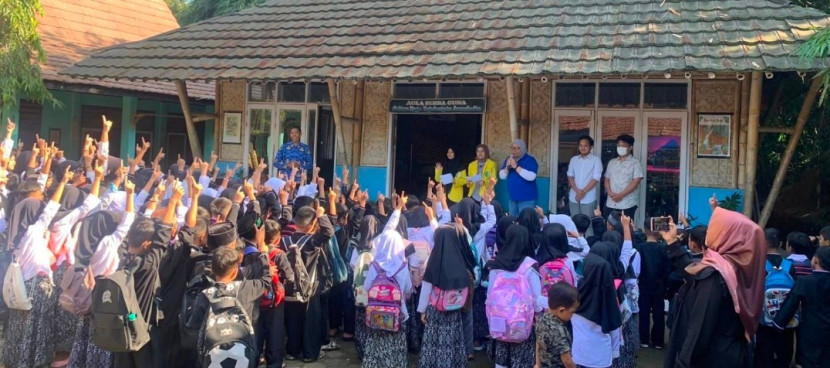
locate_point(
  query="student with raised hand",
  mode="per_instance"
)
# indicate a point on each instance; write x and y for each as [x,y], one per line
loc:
[444,298]
[29,339]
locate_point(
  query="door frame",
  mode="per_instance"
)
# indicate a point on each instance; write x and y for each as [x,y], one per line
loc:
[246,144]
[554,139]
[683,193]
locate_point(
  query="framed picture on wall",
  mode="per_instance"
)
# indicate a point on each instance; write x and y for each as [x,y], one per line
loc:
[232,128]
[714,135]
[55,135]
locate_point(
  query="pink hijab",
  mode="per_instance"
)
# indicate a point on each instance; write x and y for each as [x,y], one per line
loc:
[735,248]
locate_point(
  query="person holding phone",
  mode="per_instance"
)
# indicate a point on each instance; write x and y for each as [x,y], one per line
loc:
[623,177]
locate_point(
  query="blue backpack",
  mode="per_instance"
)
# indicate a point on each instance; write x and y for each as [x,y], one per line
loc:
[338,266]
[777,286]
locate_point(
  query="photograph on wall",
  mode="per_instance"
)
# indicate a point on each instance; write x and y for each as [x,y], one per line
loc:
[714,135]
[232,128]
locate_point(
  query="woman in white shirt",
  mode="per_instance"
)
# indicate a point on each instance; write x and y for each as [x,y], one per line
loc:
[384,348]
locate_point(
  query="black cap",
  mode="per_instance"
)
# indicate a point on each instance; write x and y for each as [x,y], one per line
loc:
[220,234]
[247,225]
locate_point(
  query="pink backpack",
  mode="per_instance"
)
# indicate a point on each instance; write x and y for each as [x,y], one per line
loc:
[510,306]
[553,272]
[383,311]
[448,300]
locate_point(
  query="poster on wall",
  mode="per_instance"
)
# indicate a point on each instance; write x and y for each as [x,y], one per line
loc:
[232,128]
[714,135]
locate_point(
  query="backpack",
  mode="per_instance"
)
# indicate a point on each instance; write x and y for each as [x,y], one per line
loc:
[448,300]
[76,295]
[339,272]
[553,272]
[422,253]
[275,296]
[193,310]
[384,309]
[227,335]
[802,268]
[490,243]
[304,283]
[510,305]
[777,286]
[119,326]
[361,295]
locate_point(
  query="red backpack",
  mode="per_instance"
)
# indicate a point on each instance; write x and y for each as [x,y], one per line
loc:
[273,297]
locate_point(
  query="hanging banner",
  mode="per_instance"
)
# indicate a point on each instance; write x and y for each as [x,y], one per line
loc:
[438,106]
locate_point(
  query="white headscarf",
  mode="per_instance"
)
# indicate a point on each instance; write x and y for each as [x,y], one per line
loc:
[389,251]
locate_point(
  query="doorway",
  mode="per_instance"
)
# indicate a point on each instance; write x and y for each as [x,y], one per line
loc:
[422,140]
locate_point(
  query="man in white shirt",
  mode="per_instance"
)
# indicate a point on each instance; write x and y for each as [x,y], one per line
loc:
[622,178]
[584,172]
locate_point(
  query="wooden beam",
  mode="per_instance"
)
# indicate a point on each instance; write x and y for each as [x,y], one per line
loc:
[779,130]
[195,146]
[357,130]
[803,115]
[338,125]
[742,132]
[511,108]
[755,91]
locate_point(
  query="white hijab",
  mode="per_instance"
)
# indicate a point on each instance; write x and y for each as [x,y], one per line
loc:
[389,251]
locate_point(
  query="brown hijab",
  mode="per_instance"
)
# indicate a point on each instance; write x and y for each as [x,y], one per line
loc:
[735,248]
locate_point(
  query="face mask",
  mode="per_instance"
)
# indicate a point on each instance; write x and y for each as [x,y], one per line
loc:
[622,151]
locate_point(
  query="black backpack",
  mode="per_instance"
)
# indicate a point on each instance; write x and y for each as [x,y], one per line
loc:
[119,326]
[193,310]
[226,336]
[302,287]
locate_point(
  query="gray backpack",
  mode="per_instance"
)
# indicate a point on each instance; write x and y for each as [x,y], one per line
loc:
[118,325]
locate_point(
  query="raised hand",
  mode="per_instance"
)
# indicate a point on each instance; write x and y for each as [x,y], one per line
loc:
[99,169]
[107,124]
[625,220]
[68,175]
[129,187]
[402,201]
[670,235]
[430,213]
[381,197]
[713,202]
[597,212]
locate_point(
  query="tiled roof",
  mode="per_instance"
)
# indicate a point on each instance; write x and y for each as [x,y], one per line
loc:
[290,39]
[71,30]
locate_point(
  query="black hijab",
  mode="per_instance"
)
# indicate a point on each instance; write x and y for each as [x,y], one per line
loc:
[452,166]
[369,228]
[72,198]
[178,174]
[530,220]
[610,252]
[470,214]
[597,297]
[451,262]
[513,252]
[72,165]
[94,228]
[24,214]
[416,217]
[614,237]
[554,244]
[501,229]
[498,209]
[22,162]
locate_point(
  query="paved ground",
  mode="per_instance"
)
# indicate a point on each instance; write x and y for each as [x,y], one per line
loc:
[347,358]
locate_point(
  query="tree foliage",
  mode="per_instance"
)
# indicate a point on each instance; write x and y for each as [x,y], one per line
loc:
[192,11]
[21,53]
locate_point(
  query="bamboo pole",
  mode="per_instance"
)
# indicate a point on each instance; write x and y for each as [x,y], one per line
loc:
[195,146]
[357,132]
[335,110]
[744,120]
[752,142]
[800,122]
[511,108]
[524,112]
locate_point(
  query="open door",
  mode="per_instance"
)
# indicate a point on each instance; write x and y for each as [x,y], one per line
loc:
[325,144]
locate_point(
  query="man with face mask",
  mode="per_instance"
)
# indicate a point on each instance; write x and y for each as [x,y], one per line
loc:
[622,178]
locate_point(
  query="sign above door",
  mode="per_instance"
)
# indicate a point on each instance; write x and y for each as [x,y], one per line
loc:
[438,106]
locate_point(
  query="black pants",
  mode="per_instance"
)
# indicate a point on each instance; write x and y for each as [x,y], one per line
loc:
[144,357]
[341,307]
[630,212]
[773,349]
[652,313]
[303,322]
[270,335]
[167,347]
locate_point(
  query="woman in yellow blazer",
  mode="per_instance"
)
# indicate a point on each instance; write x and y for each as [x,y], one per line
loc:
[482,165]
[453,166]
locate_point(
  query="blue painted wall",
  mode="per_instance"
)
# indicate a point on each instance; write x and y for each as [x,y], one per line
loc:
[699,202]
[372,179]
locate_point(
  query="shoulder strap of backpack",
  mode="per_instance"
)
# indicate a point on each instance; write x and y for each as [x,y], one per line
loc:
[526,264]
[768,266]
[786,264]
[403,265]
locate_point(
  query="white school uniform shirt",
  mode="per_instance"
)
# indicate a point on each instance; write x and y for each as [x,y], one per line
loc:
[479,239]
[105,260]
[540,302]
[61,230]
[583,170]
[33,251]
[404,282]
[391,224]
[591,347]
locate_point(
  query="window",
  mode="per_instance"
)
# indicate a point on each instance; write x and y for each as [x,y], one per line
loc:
[666,95]
[619,95]
[415,90]
[319,93]
[91,124]
[261,91]
[28,124]
[575,94]
[144,128]
[461,90]
[291,92]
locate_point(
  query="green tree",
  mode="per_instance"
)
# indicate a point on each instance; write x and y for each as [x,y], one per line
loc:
[192,11]
[21,54]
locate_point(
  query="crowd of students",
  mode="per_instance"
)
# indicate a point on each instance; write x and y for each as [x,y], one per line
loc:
[113,264]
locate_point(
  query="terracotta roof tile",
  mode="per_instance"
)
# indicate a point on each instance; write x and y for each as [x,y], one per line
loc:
[290,39]
[71,30]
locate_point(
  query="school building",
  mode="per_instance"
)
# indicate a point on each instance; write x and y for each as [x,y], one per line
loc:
[71,30]
[387,86]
